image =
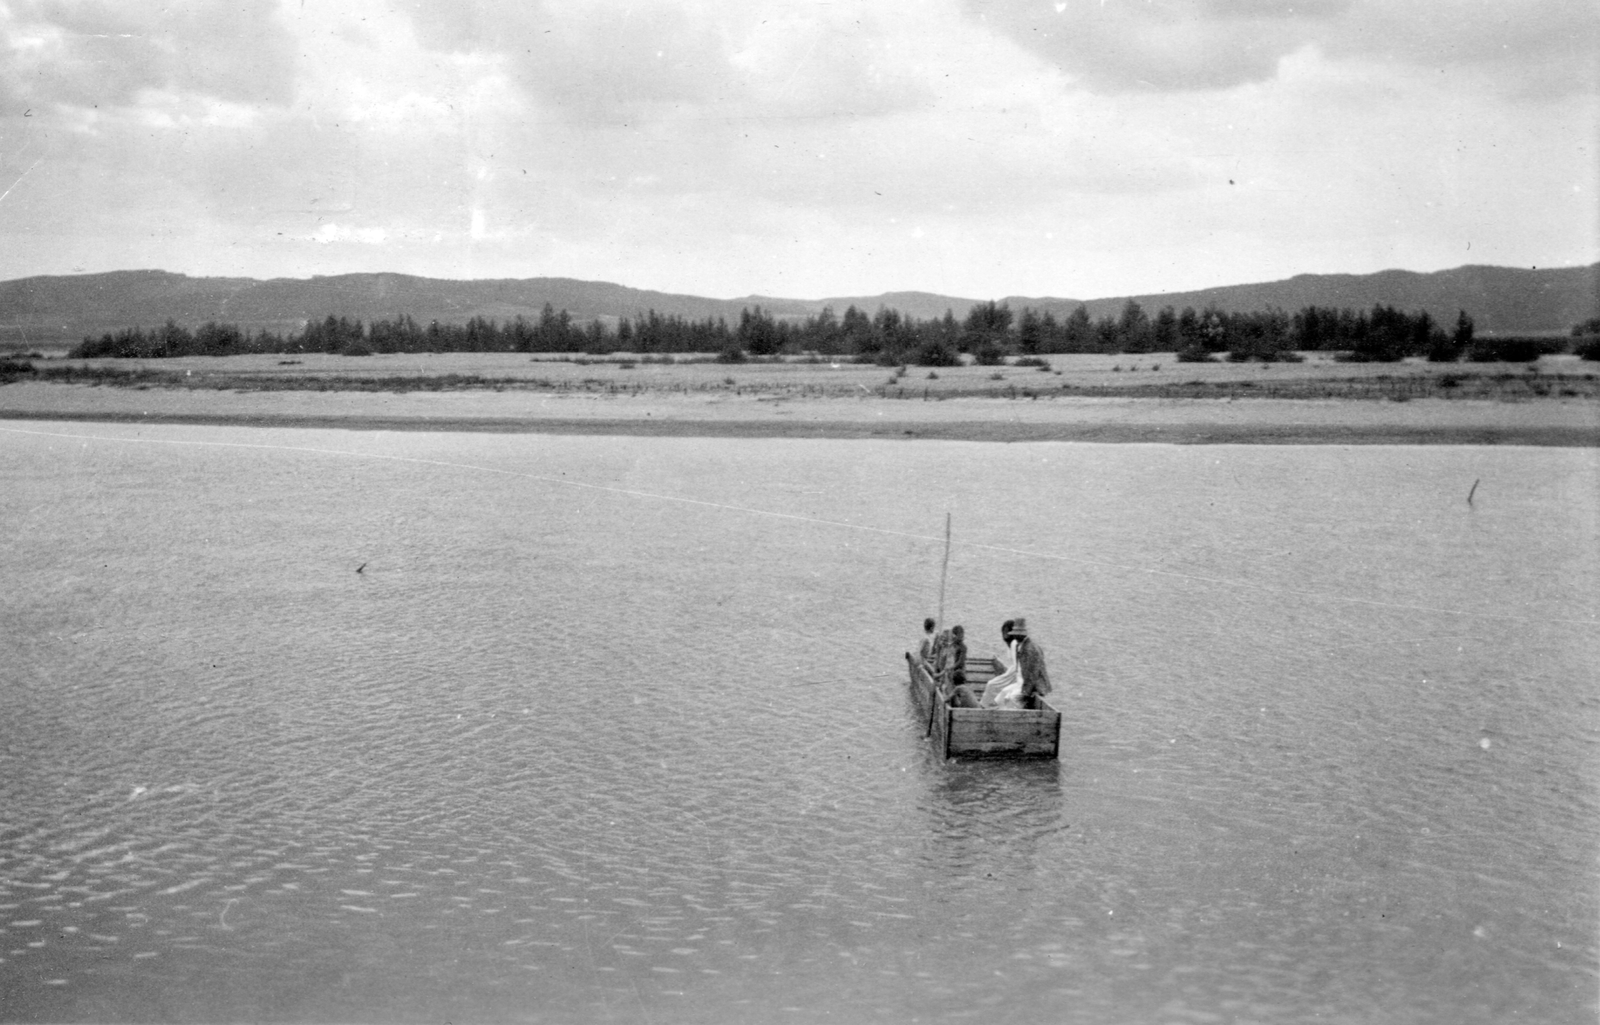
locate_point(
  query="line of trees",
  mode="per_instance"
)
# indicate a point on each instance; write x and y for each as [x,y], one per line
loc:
[989,334]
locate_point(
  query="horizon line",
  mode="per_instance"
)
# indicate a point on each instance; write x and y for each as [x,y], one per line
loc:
[753,296]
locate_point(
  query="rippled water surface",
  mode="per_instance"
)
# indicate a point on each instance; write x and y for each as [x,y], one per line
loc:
[616,729]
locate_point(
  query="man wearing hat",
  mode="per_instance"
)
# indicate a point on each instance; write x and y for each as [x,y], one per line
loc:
[1030,659]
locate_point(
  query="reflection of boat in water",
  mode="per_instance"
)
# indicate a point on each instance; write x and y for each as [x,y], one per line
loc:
[984,732]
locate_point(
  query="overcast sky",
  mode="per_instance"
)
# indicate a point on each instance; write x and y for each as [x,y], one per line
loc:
[1074,148]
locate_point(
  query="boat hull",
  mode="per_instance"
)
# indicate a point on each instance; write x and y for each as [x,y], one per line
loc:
[983,732]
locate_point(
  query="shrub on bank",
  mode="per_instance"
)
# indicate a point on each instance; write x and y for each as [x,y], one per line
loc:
[1511,349]
[988,353]
[12,369]
[937,353]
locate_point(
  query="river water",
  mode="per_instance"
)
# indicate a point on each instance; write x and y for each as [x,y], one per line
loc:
[615,729]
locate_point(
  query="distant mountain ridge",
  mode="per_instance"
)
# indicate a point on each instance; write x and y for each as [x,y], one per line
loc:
[1498,298]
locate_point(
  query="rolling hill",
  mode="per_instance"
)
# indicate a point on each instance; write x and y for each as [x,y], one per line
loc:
[1498,298]
[42,309]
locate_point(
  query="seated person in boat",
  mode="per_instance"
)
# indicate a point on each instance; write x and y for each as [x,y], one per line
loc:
[1025,680]
[1030,664]
[1005,688]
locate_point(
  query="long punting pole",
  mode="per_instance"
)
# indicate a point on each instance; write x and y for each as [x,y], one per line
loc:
[943,572]
[935,699]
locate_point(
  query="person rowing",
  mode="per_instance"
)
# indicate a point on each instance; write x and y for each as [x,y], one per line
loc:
[962,694]
[925,653]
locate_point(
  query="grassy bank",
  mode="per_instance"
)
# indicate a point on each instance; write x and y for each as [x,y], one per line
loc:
[1070,378]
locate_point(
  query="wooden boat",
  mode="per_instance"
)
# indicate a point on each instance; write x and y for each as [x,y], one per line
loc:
[984,732]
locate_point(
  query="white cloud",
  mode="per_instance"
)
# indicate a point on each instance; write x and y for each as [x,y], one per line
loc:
[795,148]
[330,232]
[104,53]
[1181,45]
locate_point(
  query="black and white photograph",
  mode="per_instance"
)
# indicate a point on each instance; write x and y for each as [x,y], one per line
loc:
[1080,512]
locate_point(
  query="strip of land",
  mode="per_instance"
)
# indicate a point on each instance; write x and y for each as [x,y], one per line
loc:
[1569,421]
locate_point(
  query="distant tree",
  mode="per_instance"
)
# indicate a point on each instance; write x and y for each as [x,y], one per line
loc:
[1030,333]
[1387,336]
[893,336]
[1214,329]
[1191,335]
[1078,331]
[1133,329]
[990,318]
[757,334]
[1164,331]
[986,332]
[403,335]
[822,334]
[1423,332]
[856,332]
[1052,332]
[173,340]
[1444,348]
[1314,328]
[213,339]
[1263,335]
[1107,336]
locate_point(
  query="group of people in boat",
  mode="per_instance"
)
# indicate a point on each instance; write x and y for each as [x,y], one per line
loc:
[1023,679]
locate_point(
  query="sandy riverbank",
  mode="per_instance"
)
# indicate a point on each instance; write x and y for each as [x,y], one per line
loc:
[1568,422]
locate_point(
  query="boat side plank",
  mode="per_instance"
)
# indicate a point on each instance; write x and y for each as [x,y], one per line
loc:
[1031,735]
